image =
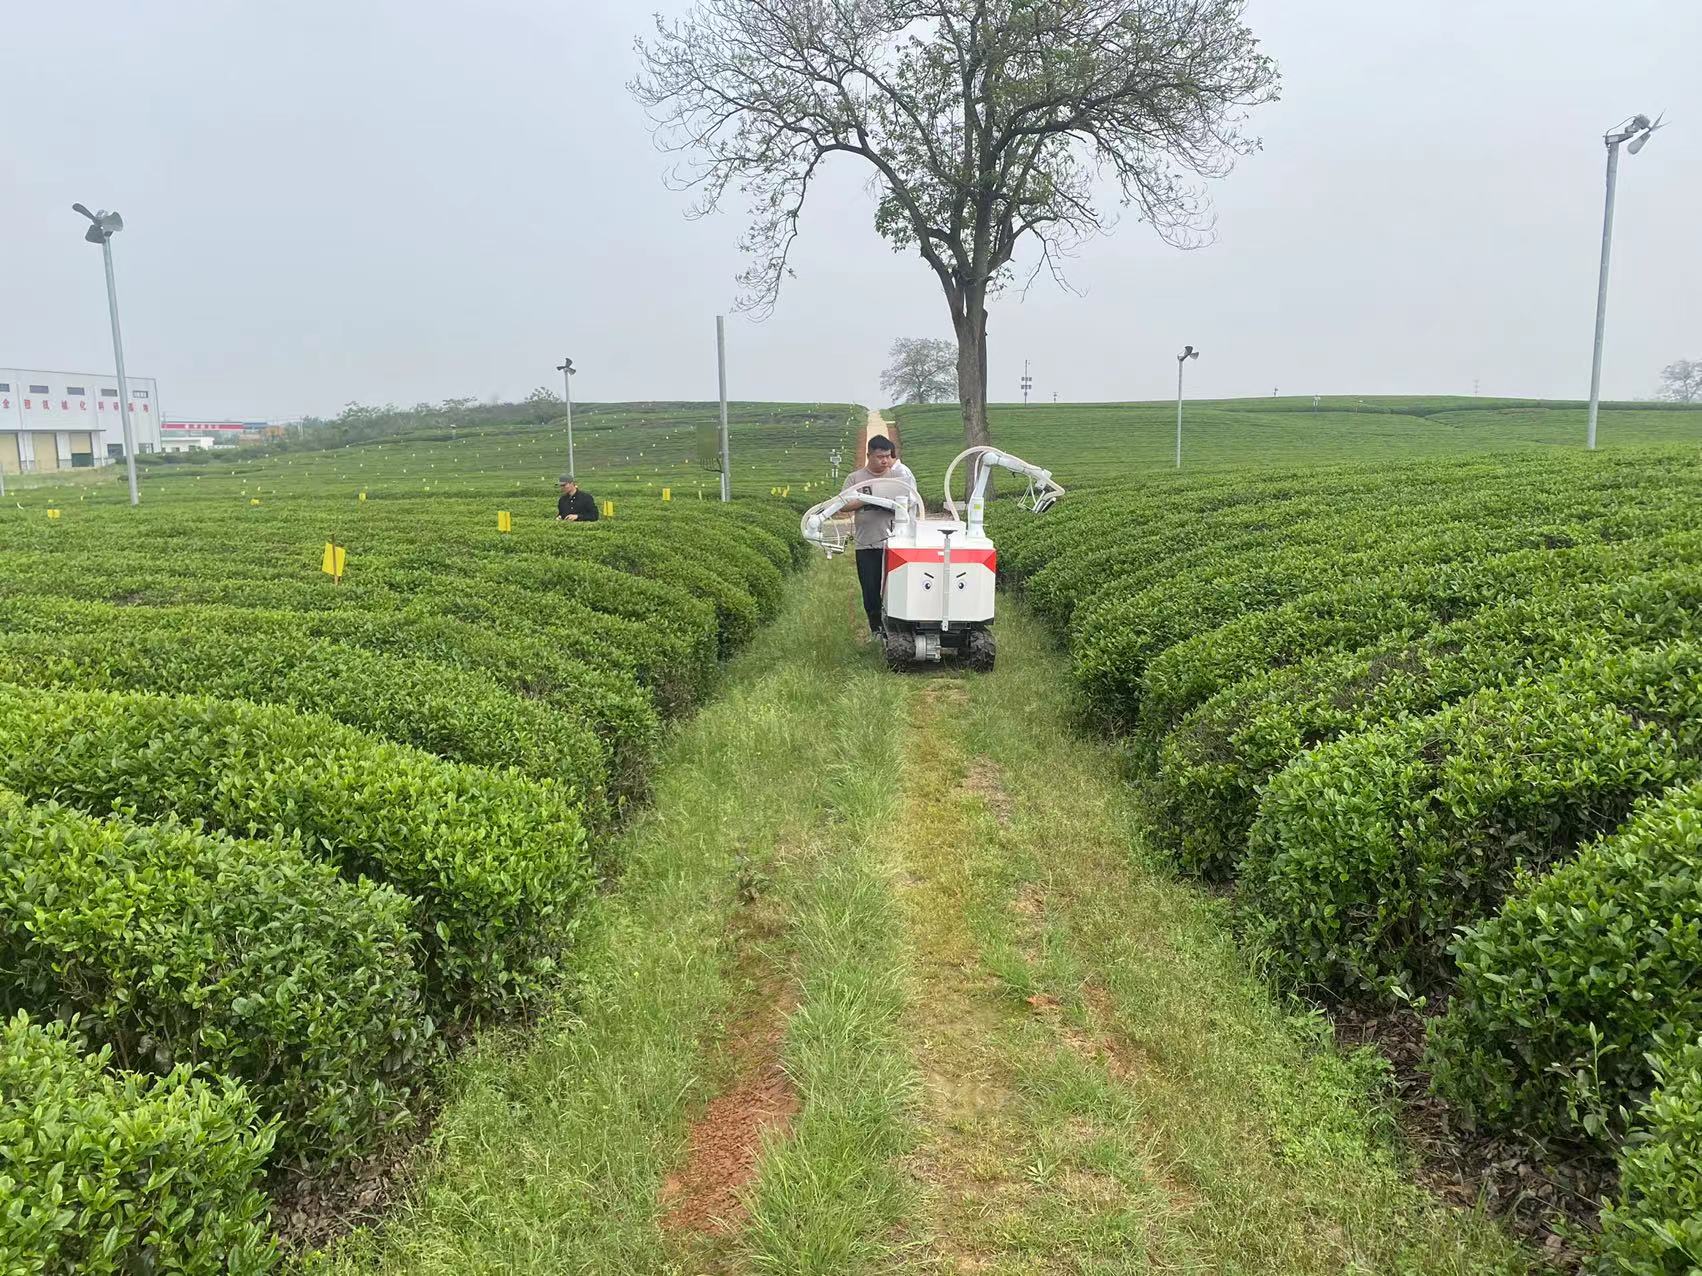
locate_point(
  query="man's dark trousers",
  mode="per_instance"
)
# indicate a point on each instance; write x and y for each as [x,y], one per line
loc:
[870,565]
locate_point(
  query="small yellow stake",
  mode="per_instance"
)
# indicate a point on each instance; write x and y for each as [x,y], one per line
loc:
[53,513]
[667,493]
[332,564]
[504,521]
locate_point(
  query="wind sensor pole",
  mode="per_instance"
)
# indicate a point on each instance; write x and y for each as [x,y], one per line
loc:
[565,367]
[103,226]
[721,368]
[1188,352]
[1637,130]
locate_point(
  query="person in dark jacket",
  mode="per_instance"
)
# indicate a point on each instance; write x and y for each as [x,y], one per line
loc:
[574,506]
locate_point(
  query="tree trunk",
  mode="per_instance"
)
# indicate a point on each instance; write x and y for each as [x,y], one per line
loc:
[972,371]
[972,381]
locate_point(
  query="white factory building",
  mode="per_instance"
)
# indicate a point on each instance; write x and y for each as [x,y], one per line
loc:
[69,420]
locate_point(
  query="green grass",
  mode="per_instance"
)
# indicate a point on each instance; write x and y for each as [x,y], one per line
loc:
[1104,441]
[1213,1131]
[757,868]
[625,451]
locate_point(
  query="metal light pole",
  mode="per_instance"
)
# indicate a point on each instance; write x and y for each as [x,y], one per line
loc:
[1637,131]
[565,367]
[1188,352]
[721,370]
[103,226]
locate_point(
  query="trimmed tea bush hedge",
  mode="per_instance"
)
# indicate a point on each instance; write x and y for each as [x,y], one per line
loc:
[1655,1227]
[105,1174]
[465,717]
[1213,767]
[611,703]
[1561,992]
[181,947]
[497,864]
[1369,852]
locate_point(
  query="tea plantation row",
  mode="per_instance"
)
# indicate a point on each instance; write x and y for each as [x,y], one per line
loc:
[270,842]
[1441,726]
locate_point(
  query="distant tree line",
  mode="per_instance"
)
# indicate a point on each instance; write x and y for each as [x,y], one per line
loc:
[363,423]
[1681,381]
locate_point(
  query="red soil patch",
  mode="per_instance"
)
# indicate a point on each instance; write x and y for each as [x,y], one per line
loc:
[722,1150]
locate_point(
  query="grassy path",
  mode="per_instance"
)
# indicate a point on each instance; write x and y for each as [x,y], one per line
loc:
[892,950]
[1109,1091]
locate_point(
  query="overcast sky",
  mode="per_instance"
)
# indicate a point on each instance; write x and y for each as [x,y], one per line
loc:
[378,200]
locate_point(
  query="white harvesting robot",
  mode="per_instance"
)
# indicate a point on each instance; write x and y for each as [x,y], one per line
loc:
[937,588]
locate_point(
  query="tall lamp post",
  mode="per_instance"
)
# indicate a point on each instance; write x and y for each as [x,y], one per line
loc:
[1637,130]
[565,367]
[1188,352]
[102,227]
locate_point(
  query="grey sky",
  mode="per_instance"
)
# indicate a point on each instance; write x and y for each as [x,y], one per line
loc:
[383,201]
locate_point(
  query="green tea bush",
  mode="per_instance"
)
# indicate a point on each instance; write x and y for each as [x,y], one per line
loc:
[461,716]
[1562,993]
[1115,641]
[1368,852]
[1213,767]
[246,957]
[106,1174]
[1654,1228]
[670,642]
[1407,602]
[736,611]
[496,863]
[610,703]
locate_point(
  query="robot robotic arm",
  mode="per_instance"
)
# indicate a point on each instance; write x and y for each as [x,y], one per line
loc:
[1042,492]
[818,526]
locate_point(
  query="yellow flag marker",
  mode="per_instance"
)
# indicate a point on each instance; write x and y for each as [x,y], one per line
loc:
[363,496]
[504,521]
[53,513]
[332,564]
[667,493]
[608,509]
[254,500]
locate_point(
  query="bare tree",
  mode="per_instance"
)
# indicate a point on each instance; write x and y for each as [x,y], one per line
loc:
[923,370]
[985,123]
[1681,382]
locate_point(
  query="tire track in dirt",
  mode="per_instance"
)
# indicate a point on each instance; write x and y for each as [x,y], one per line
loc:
[706,1194]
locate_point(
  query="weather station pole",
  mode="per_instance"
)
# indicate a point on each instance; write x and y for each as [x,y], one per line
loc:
[1188,352]
[103,226]
[565,367]
[721,370]
[1637,130]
